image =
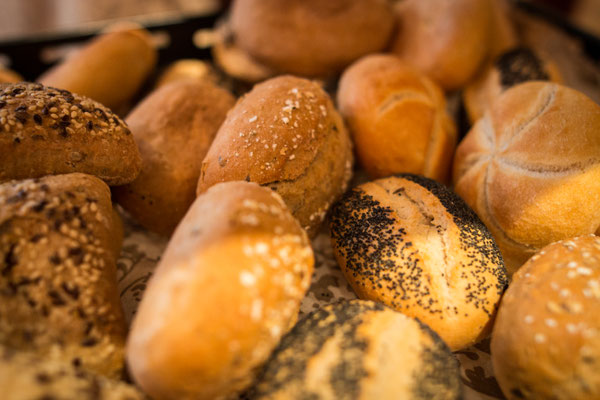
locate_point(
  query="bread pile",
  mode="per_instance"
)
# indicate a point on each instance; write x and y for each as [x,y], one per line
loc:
[428,239]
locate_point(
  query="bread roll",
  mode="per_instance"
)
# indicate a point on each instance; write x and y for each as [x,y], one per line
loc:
[412,244]
[529,168]
[397,118]
[51,131]
[187,69]
[509,69]
[174,127]
[360,350]
[284,134]
[311,37]
[9,76]
[228,286]
[109,69]
[25,376]
[546,342]
[503,36]
[446,39]
[58,286]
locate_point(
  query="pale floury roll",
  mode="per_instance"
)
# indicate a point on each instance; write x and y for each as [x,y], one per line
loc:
[397,117]
[287,135]
[228,286]
[360,350]
[412,244]
[530,168]
[58,284]
[546,341]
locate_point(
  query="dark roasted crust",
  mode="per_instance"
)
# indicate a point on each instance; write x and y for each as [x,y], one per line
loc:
[46,131]
[286,370]
[520,65]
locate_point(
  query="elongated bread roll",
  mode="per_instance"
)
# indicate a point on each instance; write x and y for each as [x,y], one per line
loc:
[174,127]
[287,135]
[58,288]
[228,286]
[110,69]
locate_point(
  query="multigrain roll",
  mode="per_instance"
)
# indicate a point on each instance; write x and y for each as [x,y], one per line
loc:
[284,134]
[310,38]
[58,286]
[397,118]
[228,286]
[360,350]
[412,244]
[25,376]
[174,127]
[109,69]
[51,131]
[511,68]
[446,39]
[9,76]
[529,168]
[188,69]
[546,341]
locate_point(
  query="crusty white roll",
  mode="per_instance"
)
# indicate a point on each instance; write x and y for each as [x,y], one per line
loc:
[511,68]
[397,117]
[109,69]
[412,244]
[360,350]
[58,284]
[312,38]
[530,168]
[446,39]
[228,286]
[173,127]
[287,135]
[546,340]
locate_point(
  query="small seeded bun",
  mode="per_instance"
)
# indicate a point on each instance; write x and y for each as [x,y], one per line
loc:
[228,286]
[397,117]
[173,127]
[312,38]
[25,376]
[284,134]
[530,168]
[58,285]
[360,350]
[546,341]
[188,69]
[9,76]
[445,39]
[511,68]
[51,131]
[109,69]
[412,244]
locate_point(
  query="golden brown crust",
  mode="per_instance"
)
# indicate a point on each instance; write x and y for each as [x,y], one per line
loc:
[187,69]
[512,67]
[503,36]
[58,277]
[530,168]
[9,76]
[287,135]
[447,40]
[26,375]
[174,127]
[311,37]
[397,117]
[228,286]
[51,131]
[109,69]
[351,350]
[546,342]
[413,245]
